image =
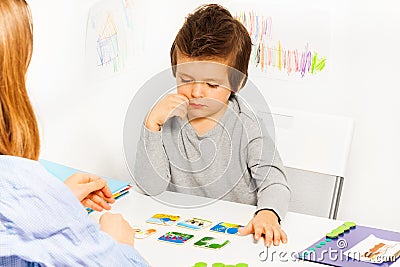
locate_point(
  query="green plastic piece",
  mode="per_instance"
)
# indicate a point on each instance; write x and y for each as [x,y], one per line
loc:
[218,264]
[311,249]
[322,243]
[332,235]
[242,265]
[344,228]
[338,231]
[230,265]
[318,246]
[328,239]
[350,224]
[200,264]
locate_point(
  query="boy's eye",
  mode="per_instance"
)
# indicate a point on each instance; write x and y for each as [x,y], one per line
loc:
[186,80]
[212,85]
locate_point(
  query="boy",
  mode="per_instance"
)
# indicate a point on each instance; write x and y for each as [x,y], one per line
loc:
[217,149]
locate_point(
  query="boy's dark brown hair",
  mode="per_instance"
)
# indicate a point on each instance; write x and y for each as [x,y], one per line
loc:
[211,32]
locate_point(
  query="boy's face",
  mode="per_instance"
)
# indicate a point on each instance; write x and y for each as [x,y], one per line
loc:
[205,83]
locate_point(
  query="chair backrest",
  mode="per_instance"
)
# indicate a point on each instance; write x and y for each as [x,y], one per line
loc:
[315,150]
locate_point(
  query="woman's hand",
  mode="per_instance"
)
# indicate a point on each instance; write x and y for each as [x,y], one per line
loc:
[117,227]
[92,191]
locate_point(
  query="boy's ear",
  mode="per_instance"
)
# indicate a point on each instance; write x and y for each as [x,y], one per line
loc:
[237,80]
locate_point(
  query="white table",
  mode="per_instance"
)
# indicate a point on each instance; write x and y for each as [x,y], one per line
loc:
[302,231]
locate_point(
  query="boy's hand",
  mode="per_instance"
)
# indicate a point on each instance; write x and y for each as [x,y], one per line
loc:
[265,223]
[171,105]
[117,227]
[92,191]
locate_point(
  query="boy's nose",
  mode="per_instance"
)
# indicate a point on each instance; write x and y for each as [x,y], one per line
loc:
[197,90]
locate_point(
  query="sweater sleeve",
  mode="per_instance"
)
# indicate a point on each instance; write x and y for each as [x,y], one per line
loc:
[268,173]
[151,172]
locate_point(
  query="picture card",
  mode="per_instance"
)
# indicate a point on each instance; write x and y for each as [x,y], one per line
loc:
[163,219]
[175,237]
[194,223]
[226,228]
[375,250]
[141,233]
[211,242]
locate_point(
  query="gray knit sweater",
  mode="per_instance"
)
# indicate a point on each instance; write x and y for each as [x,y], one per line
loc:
[235,161]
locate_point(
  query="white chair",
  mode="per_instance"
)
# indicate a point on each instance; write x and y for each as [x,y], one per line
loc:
[315,149]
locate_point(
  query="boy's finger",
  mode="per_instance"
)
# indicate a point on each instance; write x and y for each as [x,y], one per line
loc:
[248,229]
[277,237]
[182,105]
[182,97]
[258,231]
[181,102]
[283,237]
[268,235]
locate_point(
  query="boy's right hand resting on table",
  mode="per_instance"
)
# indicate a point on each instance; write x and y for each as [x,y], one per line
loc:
[265,224]
[117,227]
[169,106]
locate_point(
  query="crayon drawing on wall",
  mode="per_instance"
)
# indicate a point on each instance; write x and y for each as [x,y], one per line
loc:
[109,35]
[288,43]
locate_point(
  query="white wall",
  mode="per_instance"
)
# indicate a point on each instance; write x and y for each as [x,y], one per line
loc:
[369,32]
[82,123]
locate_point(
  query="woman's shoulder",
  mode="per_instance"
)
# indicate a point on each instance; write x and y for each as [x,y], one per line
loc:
[29,192]
[22,177]
[17,169]
[12,168]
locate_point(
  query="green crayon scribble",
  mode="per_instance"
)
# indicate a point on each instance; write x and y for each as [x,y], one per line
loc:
[317,64]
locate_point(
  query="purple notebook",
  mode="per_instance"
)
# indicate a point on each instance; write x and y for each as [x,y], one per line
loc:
[359,247]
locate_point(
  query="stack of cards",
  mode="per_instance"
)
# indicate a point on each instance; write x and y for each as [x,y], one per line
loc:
[118,188]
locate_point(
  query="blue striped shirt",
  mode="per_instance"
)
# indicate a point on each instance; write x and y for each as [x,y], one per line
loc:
[43,224]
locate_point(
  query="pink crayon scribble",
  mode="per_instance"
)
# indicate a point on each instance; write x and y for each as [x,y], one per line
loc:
[267,54]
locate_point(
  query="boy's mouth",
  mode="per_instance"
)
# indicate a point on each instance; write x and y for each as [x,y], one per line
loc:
[194,105]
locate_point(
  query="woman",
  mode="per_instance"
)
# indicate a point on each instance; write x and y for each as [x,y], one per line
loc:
[42,223]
